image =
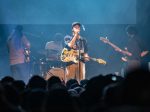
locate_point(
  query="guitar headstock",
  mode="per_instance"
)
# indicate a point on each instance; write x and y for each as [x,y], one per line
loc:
[105,40]
[101,61]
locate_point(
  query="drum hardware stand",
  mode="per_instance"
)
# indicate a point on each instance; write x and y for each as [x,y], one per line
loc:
[32,71]
[42,67]
[79,57]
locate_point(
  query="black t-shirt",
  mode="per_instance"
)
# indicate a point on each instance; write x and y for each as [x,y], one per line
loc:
[134,47]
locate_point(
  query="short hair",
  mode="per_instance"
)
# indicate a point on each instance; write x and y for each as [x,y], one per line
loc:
[131,30]
[19,28]
[58,37]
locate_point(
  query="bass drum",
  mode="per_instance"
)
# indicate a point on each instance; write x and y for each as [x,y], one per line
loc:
[59,72]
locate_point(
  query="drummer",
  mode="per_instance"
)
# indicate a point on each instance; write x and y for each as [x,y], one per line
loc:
[53,50]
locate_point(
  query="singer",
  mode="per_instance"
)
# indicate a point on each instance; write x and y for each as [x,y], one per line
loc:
[78,43]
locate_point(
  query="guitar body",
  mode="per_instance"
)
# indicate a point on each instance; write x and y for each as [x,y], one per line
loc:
[69,55]
[73,56]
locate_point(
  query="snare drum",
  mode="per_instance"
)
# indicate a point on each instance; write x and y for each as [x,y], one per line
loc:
[59,72]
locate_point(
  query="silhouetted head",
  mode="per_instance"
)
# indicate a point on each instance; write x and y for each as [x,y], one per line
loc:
[37,82]
[19,28]
[53,80]
[7,80]
[70,82]
[131,30]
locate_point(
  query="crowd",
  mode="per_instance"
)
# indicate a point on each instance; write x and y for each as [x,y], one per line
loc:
[109,93]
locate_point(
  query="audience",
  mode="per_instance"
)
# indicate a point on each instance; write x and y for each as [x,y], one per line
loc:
[109,93]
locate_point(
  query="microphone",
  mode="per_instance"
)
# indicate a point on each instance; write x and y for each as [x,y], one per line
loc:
[83,27]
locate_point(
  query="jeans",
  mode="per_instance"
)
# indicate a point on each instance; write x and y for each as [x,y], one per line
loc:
[21,71]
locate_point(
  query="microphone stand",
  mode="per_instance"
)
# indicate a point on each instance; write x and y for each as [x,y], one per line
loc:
[80,59]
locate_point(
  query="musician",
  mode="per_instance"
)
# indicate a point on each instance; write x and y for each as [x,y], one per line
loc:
[19,62]
[135,47]
[76,42]
[53,50]
[133,51]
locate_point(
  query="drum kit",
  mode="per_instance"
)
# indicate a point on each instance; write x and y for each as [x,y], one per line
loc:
[49,66]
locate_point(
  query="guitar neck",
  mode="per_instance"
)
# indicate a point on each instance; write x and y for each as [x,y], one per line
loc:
[114,46]
[120,50]
[93,59]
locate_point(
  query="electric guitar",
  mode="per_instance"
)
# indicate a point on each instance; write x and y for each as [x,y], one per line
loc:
[73,56]
[124,52]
